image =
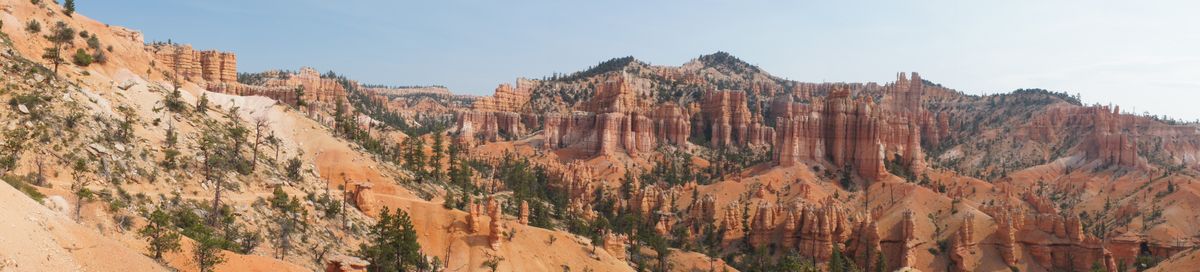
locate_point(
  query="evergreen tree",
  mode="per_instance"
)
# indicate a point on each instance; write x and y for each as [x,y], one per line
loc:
[460,175]
[293,168]
[60,35]
[340,123]
[218,146]
[289,220]
[880,262]
[795,263]
[174,100]
[847,180]
[300,97]
[202,104]
[435,160]
[413,152]
[393,244]
[159,235]
[69,7]
[836,263]
[207,253]
[84,195]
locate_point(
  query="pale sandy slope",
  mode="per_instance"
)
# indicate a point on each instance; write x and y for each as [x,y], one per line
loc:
[34,238]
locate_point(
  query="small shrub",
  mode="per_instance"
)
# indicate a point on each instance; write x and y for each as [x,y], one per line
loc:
[33,27]
[93,42]
[82,58]
[293,168]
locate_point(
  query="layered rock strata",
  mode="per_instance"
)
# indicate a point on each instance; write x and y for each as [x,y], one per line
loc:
[186,63]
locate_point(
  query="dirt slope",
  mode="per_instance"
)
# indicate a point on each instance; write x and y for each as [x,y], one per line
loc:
[35,238]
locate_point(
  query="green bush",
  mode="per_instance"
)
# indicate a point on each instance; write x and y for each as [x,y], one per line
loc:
[33,27]
[82,58]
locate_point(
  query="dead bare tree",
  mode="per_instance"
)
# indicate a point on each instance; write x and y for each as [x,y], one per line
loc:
[41,174]
[260,124]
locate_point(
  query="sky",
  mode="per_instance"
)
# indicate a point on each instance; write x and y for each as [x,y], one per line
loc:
[1141,55]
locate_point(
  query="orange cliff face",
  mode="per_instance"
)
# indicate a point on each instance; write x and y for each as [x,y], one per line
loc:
[848,132]
[217,71]
[185,63]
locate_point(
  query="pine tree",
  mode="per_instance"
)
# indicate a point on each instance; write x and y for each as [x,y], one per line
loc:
[84,195]
[300,97]
[61,34]
[174,100]
[69,7]
[220,155]
[339,120]
[836,263]
[207,253]
[880,262]
[158,234]
[438,155]
[393,244]
[202,104]
[289,220]
[414,156]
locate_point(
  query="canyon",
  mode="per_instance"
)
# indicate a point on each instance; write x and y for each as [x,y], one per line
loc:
[710,165]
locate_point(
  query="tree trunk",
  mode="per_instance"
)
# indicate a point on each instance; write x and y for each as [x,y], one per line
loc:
[154,241]
[216,208]
[78,209]
[212,218]
[254,158]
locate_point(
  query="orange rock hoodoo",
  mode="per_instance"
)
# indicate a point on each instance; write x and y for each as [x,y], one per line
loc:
[364,199]
[615,245]
[1054,241]
[809,229]
[524,213]
[848,132]
[907,257]
[495,226]
[186,63]
[963,248]
[730,121]
[473,217]
[507,98]
[853,126]
[617,120]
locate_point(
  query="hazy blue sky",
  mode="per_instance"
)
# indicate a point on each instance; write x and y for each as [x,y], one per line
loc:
[1142,55]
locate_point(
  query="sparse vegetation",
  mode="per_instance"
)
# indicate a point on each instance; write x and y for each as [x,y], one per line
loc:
[33,27]
[896,166]
[82,58]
